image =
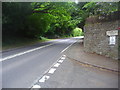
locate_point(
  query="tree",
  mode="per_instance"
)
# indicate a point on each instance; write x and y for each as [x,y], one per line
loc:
[100,8]
[49,18]
[14,17]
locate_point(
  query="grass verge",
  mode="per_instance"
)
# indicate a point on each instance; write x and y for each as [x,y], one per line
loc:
[21,42]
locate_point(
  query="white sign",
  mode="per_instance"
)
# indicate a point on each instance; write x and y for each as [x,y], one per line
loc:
[112,33]
[112,40]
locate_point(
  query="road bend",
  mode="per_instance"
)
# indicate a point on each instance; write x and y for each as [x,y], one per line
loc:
[23,66]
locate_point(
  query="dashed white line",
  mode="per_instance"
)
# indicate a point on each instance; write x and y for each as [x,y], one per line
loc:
[52,70]
[64,55]
[57,65]
[60,61]
[44,78]
[62,58]
[36,86]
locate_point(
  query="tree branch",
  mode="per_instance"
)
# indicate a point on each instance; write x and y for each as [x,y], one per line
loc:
[40,12]
[43,11]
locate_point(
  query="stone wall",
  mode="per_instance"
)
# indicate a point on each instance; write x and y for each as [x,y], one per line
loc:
[96,40]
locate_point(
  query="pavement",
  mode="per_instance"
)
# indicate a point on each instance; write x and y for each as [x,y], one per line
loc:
[82,70]
[76,52]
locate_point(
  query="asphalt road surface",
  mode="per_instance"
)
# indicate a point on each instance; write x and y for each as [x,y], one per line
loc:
[22,67]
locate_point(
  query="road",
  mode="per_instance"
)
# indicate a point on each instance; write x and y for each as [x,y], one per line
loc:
[22,67]
[33,65]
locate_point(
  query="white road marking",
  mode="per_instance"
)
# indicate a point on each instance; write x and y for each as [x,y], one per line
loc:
[63,58]
[64,55]
[44,78]
[19,54]
[64,49]
[57,65]
[52,70]
[67,47]
[36,86]
[60,61]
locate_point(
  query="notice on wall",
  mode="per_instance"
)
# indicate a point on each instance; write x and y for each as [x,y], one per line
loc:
[112,40]
[112,33]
